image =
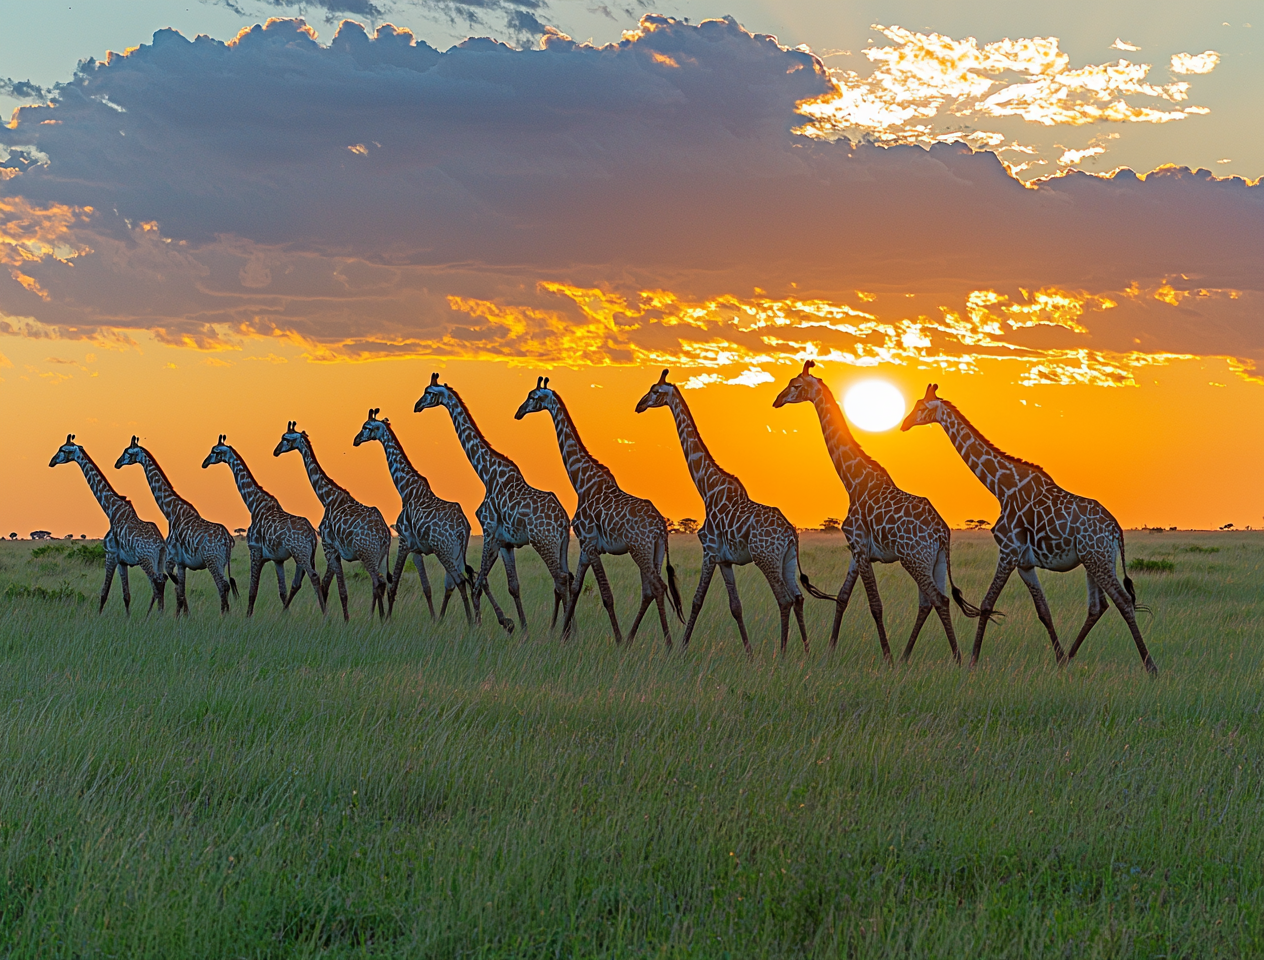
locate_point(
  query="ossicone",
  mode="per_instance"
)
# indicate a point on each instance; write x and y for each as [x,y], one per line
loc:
[434,379]
[538,382]
[930,391]
[70,438]
[222,438]
[662,377]
[808,365]
[546,383]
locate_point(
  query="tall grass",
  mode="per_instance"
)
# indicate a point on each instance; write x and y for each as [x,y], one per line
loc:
[291,786]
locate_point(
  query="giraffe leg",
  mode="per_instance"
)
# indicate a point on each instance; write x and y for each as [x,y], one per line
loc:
[553,555]
[111,562]
[310,570]
[454,578]
[256,566]
[704,582]
[653,590]
[875,603]
[1004,567]
[334,568]
[1097,606]
[790,577]
[127,590]
[159,587]
[296,583]
[449,584]
[1030,578]
[507,557]
[401,560]
[280,572]
[735,604]
[420,563]
[607,597]
[844,597]
[182,598]
[781,594]
[491,550]
[1106,579]
[379,586]
[924,607]
[577,586]
[221,584]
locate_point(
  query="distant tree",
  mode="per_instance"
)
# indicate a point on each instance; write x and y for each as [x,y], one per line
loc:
[83,536]
[687,525]
[69,536]
[978,524]
[240,531]
[1227,526]
[1171,528]
[41,534]
[13,536]
[831,525]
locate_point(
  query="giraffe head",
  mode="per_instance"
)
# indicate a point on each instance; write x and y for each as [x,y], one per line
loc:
[133,454]
[219,453]
[537,400]
[926,410]
[436,395]
[373,429]
[804,388]
[68,452]
[659,394]
[292,439]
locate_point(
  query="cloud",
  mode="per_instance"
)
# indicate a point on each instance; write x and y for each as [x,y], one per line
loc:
[572,204]
[1124,45]
[1187,63]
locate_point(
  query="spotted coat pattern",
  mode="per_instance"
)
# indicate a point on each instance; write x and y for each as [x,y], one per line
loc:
[193,542]
[131,541]
[273,534]
[428,525]
[1040,525]
[737,530]
[513,513]
[607,520]
[884,524]
[349,530]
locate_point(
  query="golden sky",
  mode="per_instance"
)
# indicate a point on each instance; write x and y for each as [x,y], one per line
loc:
[201,237]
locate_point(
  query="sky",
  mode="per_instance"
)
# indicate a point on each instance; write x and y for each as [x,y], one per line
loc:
[231,222]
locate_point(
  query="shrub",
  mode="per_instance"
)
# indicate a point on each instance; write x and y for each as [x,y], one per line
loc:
[1152,566]
[90,553]
[18,591]
[45,550]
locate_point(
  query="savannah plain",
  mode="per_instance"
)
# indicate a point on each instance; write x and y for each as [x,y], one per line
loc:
[297,787]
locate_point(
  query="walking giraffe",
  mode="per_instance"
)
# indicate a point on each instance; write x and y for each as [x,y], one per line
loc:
[737,530]
[427,525]
[513,513]
[193,542]
[273,534]
[1041,525]
[349,530]
[131,541]
[607,520]
[884,524]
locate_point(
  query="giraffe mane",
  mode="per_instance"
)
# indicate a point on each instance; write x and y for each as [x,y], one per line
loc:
[993,447]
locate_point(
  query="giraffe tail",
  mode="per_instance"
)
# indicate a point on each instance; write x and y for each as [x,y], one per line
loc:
[817,593]
[228,568]
[672,589]
[1128,585]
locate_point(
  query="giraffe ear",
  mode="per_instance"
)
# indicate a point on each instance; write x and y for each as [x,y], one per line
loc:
[930,391]
[434,379]
[662,377]
[546,383]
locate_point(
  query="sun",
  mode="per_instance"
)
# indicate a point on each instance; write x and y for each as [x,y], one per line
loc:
[874,405]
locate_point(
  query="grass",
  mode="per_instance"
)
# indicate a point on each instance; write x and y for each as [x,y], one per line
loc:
[292,787]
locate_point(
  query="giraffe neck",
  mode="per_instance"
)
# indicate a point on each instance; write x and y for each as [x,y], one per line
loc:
[172,505]
[109,498]
[585,470]
[860,473]
[327,491]
[711,481]
[485,460]
[255,497]
[408,481]
[999,472]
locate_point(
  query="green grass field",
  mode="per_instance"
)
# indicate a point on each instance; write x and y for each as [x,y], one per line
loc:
[293,787]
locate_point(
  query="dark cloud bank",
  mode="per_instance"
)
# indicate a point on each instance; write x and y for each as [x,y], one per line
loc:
[341,194]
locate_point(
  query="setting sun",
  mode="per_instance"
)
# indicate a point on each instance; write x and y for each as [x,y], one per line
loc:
[874,405]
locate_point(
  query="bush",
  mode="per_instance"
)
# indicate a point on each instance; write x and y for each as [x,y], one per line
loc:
[18,591]
[1153,566]
[1197,549]
[45,550]
[89,553]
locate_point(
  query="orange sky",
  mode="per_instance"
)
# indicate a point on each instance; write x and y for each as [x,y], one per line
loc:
[1169,451]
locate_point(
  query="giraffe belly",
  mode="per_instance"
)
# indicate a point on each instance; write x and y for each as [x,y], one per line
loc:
[738,553]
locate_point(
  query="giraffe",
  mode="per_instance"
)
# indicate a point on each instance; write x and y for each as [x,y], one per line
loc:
[608,520]
[193,542]
[513,513]
[1041,525]
[349,530]
[884,524]
[427,524]
[131,541]
[273,535]
[737,530]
